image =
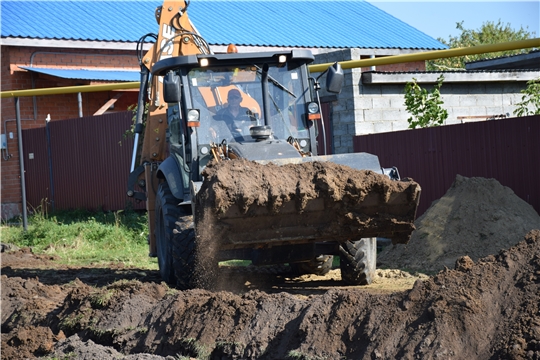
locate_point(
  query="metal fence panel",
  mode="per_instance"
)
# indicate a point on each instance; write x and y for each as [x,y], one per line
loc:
[507,150]
[91,159]
[36,165]
[90,163]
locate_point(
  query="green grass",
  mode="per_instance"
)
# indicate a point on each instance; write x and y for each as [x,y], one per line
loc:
[82,238]
[235,263]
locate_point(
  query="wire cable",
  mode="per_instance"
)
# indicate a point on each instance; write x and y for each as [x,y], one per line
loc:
[140,45]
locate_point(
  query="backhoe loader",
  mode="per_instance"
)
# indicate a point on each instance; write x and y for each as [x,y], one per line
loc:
[229,166]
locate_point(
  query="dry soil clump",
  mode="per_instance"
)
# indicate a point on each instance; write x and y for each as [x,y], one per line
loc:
[306,200]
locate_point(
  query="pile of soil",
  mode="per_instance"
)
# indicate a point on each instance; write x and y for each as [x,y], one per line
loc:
[322,199]
[476,217]
[484,309]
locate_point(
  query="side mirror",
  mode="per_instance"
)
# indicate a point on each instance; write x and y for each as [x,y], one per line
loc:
[334,78]
[171,88]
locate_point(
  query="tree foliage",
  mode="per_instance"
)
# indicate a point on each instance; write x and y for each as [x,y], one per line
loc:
[424,105]
[530,101]
[489,33]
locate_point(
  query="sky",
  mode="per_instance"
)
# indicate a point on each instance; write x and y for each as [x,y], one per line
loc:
[438,18]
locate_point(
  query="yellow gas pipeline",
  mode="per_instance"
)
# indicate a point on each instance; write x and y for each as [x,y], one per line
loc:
[386,60]
[69,89]
[430,55]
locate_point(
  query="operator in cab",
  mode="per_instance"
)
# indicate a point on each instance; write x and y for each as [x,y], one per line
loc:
[238,118]
[233,111]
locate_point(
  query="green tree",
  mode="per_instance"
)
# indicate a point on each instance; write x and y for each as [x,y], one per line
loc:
[424,105]
[530,101]
[489,33]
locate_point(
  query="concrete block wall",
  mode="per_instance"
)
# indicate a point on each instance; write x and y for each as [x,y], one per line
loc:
[359,110]
[380,107]
[383,105]
[342,110]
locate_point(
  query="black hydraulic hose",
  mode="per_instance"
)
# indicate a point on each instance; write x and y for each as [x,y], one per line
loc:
[265,98]
[140,113]
[145,73]
[140,45]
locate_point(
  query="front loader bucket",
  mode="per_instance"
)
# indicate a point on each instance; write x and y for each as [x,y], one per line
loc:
[244,203]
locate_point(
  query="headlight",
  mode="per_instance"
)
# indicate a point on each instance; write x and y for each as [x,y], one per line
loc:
[193,115]
[313,111]
[193,118]
[313,108]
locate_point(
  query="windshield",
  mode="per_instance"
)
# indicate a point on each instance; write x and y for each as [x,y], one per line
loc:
[230,101]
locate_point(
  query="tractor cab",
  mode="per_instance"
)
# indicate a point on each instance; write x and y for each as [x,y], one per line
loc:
[258,106]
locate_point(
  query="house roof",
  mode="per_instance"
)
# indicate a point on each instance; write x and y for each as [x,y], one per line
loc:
[87,74]
[530,60]
[293,23]
[453,76]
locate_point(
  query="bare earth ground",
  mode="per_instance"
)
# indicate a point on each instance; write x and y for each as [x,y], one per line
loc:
[39,310]
[487,309]
[476,217]
[483,306]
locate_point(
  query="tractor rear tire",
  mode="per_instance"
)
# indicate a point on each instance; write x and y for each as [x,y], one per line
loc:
[321,265]
[358,261]
[167,212]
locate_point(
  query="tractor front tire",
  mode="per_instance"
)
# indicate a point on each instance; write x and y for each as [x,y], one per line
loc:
[358,261]
[167,212]
[193,267]
[184,253]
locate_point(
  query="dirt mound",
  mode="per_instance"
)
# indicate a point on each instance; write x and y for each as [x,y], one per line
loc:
[484,309]
[315,200]
[476,217]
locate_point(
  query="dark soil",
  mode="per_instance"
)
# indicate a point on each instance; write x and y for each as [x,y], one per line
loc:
[317,200]
[487,309]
